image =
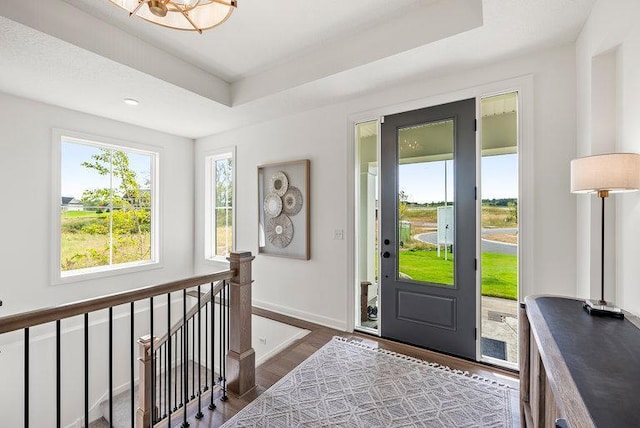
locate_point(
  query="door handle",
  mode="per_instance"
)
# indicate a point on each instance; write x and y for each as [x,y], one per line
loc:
[386,255]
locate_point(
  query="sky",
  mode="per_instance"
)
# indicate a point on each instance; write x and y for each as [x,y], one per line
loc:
[76,178]
[425,182]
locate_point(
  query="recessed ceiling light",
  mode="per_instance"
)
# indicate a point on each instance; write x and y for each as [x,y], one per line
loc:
[131,101]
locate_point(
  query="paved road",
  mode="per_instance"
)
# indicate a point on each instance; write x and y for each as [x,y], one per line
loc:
[488,246]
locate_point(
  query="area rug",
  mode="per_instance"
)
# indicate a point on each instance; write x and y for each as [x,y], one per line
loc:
[348,384]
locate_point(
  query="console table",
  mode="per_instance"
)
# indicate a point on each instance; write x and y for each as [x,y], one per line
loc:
[581,369]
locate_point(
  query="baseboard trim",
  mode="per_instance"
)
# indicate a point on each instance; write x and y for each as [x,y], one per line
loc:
[281,347]
[305,316]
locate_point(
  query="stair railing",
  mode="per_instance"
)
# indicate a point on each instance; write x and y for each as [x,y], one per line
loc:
[169,368]
[230,289]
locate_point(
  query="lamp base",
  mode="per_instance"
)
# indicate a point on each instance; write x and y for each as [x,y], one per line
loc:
[603,309]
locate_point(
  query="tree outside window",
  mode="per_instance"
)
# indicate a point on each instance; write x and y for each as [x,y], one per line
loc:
[223,205]
[106,206]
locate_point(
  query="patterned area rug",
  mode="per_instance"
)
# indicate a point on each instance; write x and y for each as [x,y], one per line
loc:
[348,384]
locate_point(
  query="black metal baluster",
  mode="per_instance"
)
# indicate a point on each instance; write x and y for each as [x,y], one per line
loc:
[111,366]
[58,376]
[86,370]
[131,368]
[166,385]
[220,336]
[212,405]
[185,373]
[193,357]
[181,365]
[206,347]
[159,375]
[168,369]
[175,372]
[152,398]
[26,378]
[226,340]
[199,415]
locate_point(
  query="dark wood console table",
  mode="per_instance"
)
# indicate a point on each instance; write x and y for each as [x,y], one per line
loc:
[580,368]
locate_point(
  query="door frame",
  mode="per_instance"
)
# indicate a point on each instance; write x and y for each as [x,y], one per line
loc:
[524,85]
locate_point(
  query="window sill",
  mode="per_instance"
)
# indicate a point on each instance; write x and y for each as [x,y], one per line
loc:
[104,272]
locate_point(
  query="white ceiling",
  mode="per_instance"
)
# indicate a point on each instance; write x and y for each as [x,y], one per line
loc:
[260,33]
[271,58]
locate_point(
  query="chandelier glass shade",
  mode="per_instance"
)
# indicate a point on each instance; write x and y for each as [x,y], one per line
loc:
[188,15]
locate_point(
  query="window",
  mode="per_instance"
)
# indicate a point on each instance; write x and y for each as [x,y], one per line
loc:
[106,204]
[499,195]
[367,188]
[219,230]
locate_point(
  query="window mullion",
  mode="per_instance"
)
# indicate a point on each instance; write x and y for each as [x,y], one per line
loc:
[110,207]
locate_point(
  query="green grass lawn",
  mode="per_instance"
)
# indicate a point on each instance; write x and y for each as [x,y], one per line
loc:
[73,214]
[500,275]
[85,241]
[426,266]
[83,250]
[499,271]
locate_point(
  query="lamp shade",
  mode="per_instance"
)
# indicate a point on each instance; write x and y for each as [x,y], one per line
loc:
[613,172]
[189,15]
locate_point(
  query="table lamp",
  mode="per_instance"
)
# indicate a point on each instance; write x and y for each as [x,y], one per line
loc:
[605,174]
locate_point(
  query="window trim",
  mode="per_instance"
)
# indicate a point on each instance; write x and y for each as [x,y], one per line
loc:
[209,216]
[57,276]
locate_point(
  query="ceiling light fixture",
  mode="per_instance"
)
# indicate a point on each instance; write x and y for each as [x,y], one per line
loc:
[131,101]
[189,15]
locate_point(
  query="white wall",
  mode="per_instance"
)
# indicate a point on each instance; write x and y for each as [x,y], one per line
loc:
[317,289]
[612,26]
[25,174]
[313,289]
[25,219]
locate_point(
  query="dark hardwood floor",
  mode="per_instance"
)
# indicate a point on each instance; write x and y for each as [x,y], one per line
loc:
[276,367]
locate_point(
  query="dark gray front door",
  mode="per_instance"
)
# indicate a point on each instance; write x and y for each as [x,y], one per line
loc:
[428,228]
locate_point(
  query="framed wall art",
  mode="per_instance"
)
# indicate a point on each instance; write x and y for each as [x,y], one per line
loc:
[283,209]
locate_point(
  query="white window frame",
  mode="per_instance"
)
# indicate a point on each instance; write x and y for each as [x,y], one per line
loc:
[57,275]
[210,158]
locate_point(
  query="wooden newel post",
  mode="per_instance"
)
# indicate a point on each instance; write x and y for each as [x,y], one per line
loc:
[143,414]
[241,359]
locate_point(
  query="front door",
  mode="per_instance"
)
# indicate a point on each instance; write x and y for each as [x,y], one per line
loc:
[428,228]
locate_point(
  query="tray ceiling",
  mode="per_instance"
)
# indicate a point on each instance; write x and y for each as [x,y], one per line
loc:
[272,57]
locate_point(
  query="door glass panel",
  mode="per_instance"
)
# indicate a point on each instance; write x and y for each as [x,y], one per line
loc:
[367,315]
[426,203]
[499,222]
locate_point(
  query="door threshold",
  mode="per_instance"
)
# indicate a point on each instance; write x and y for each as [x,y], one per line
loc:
[495,362]
[510,370]
[367,330]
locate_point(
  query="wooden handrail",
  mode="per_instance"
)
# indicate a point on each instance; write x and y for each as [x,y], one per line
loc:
[43,316]
[190,314]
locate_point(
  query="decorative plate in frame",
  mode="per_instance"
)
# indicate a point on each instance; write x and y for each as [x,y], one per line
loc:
[292,201]
[272,205]
[283,214]
[279,231]
[279,183]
